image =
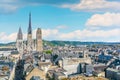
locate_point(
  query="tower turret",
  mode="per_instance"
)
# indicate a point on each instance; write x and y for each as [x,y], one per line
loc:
[20,35]
[19,41]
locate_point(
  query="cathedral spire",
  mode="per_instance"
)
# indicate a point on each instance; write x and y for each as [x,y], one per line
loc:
[29,36]
[30,28]
[20,35]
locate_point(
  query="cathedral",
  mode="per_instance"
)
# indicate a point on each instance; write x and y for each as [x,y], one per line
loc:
[30,44]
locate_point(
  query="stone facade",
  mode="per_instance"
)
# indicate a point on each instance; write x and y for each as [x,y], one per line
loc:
[39,40]
[29,43]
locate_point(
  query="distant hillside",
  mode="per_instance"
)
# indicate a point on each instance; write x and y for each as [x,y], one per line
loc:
[8,44]
[63,43]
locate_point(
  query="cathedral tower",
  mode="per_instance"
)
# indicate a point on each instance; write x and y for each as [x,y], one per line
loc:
[29,35]
[19,42]
[39,46]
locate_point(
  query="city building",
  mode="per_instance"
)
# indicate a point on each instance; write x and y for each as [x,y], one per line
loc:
[113,74]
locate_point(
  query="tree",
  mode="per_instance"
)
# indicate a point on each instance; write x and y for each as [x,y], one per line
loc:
[48,51]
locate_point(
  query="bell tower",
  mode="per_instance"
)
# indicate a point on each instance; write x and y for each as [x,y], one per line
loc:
[39,46]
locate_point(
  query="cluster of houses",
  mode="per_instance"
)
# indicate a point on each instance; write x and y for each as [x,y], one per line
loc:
[64,62]
[72,62]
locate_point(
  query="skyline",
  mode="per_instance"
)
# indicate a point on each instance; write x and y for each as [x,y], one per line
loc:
[80,20]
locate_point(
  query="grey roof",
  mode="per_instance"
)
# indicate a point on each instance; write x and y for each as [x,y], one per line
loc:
[35,78]
[59,74]
[118,50]
[47,56]
[14,52]
[29,68]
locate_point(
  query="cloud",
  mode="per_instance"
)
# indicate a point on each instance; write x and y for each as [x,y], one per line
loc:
[104,20]
[82,35]
[7,38]
[9,6]
[89,35]
[47,33]
[77,35]
[94,5]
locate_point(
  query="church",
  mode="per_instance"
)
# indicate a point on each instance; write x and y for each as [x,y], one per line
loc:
[30,44]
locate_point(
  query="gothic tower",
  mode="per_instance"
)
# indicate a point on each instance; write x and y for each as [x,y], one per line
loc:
[19,42]
[29,35]
[39,46]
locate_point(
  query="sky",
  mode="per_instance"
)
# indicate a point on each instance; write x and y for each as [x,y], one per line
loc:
[69,20]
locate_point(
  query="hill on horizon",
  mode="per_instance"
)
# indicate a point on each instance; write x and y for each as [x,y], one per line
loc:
[63,43]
